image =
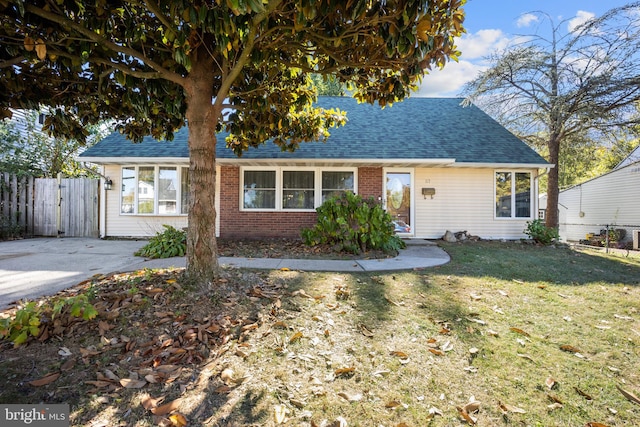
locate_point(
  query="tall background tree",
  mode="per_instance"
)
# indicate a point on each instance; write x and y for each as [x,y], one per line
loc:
[241,65]
[566,89]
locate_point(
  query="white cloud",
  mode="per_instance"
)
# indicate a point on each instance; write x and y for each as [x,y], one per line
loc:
[580,18]
[481,44]
[473,47]
[449,81]
[526,20]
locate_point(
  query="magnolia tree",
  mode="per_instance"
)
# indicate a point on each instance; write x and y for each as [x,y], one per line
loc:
[238,65]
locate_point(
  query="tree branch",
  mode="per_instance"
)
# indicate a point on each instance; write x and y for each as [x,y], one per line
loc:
[91,35]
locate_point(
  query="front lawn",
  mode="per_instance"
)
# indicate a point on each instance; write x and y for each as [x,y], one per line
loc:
[506,334]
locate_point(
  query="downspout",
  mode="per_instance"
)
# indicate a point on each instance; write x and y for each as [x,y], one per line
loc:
[537,187]
[102,209]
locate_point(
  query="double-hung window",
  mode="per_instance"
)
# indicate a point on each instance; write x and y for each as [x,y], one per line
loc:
[154,190]
[293,189]
[513,194]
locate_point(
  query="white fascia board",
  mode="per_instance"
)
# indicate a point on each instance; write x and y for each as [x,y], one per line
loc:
[329,162]
[504,165]
[133,160]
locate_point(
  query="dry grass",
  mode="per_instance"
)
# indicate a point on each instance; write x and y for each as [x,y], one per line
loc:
[538,336]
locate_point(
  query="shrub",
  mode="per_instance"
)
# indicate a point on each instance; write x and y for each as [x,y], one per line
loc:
[353,224]
[169,243]
[9,228]
[540,233]
[28,319]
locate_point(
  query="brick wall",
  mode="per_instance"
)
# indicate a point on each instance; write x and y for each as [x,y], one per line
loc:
[370,182]
[238,224]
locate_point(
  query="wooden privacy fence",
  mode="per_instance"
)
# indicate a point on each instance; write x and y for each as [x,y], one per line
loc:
[51,207]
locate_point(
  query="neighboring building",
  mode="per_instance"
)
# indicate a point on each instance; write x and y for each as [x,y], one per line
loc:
[435,165]
[612,199]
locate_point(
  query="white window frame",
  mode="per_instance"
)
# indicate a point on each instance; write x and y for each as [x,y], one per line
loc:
[513,216]
[317,196]
[156,175]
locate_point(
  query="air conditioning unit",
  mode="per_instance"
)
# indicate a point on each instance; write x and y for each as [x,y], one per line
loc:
[636,239]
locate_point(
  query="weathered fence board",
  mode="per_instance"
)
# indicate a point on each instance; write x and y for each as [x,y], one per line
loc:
[43,207]
[45,198]
[79,207]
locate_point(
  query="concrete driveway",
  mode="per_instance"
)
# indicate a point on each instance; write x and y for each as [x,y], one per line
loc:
[31,268]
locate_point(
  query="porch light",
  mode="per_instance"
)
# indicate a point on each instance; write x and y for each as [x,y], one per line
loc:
[108,184]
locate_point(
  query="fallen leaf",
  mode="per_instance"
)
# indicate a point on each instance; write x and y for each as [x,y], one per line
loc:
[280,413]
[392,404]
[68,365]
[468,418]
[555,399]
[132,383]
[554,405]
[149,402]
[298,403]
[64,352]
[519,331]
[436,352]
[227,376]
[167,407]
[526,356]
[350,397]
[503,293]
[509,408]
[632,397]
[178,420]
[295,337]
[344,371]
[595,425]
[582,393]
[471,407]
[550,382]
[47,379]
[570,349]
[400,354]
[365,331]
[435,411]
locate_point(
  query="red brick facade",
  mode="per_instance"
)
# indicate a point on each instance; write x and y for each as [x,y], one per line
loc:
[235,223]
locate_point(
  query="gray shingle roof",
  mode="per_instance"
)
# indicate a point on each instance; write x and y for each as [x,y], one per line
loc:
[415,129]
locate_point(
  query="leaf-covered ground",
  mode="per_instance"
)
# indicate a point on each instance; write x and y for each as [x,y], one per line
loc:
[506,334]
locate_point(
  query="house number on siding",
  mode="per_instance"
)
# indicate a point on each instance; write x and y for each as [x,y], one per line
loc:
[427,181]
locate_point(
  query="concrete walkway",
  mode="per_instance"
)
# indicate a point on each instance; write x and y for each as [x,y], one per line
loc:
[31,268]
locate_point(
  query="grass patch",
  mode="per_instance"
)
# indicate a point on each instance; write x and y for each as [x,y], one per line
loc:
[539,336]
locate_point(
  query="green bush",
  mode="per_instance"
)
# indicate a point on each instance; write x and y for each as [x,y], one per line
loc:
[540,233]
[9,228]
[353,224]
[169,243]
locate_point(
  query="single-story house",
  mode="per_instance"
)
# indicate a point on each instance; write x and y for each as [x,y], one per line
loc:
[612,199]
[435,165]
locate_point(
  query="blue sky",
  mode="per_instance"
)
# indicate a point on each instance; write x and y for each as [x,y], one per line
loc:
[492,24]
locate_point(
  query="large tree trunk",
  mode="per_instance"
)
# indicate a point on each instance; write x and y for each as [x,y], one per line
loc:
[552,184]
[202,251]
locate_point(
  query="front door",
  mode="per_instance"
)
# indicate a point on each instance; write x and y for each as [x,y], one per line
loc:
[398,200]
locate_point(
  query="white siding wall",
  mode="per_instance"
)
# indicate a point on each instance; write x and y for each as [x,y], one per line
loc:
[612,199]
[464,201]
[117,225]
